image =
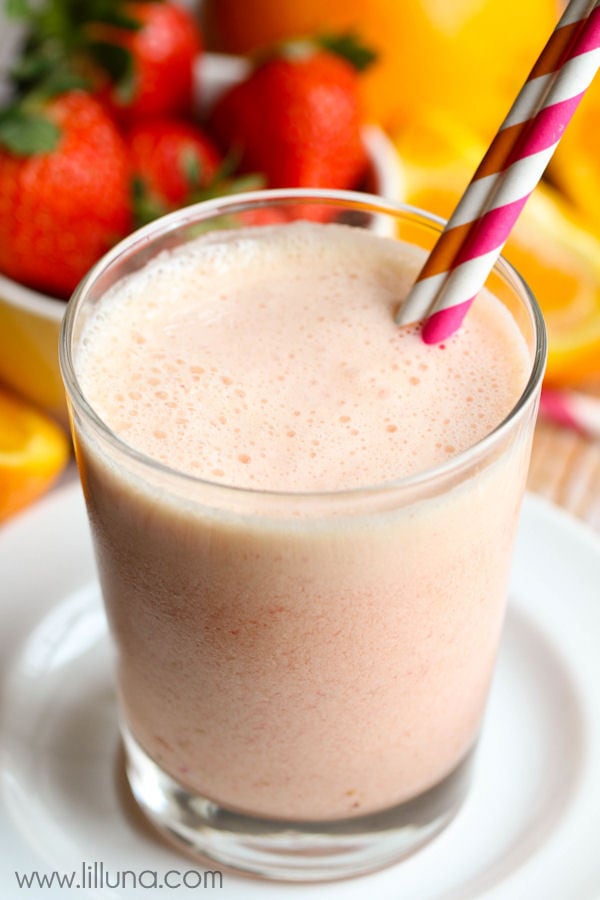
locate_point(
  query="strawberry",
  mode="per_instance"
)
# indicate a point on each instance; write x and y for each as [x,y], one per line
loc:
[172,162]
[296,118]
[262,216]
[137,55]
[176,163]
[64,190]
[150,59]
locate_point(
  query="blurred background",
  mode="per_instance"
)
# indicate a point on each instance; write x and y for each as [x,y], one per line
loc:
[426,83]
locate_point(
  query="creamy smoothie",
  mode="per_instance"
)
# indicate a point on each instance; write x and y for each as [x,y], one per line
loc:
[291,642]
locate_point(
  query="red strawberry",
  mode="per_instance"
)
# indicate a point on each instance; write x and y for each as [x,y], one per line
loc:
[62,208]
[162,50]
[297,119]
[172,162]
[268,215]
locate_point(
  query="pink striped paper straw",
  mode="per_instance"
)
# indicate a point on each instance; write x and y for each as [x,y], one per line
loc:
[473,238]
[572,409]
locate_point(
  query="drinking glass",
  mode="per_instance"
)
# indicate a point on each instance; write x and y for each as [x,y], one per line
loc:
[302,677]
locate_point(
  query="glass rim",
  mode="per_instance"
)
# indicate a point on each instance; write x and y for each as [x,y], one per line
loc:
[197,212]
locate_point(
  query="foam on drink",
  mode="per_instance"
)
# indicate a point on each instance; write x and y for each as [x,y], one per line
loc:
[269,358]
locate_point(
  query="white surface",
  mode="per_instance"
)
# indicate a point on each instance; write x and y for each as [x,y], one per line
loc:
[528,830]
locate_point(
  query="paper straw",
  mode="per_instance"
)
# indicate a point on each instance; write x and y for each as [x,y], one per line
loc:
[473,238]
[572,409]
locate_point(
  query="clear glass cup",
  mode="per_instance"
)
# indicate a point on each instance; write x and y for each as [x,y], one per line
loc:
[220,761]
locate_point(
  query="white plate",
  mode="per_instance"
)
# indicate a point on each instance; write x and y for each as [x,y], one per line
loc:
[528,830]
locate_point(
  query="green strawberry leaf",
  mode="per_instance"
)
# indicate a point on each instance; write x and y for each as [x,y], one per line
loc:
[111,13]
[60,34]
[65,19]
[118,62]
[350,47]
[225,188]
[146,206]
[26,134]
[17,9]
[60,81]
[190,168]
[39,75]
[30,68]
[229,164]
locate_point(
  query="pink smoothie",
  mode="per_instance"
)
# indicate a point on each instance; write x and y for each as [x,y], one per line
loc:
[328,653]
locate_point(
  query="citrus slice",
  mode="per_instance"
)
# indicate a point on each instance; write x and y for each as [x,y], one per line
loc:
[33,452]
[560,259]
[551,246]
[576,164]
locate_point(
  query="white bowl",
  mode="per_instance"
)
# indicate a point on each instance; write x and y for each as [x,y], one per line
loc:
[30,321]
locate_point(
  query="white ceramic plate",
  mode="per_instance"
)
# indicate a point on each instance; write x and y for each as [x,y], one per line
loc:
[528,831]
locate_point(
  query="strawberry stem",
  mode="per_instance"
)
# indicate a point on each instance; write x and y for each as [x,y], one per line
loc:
[347,45]
[350,47]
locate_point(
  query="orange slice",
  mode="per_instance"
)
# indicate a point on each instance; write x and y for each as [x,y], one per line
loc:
[560,259]
[576,164]
[33,452]
[551,246]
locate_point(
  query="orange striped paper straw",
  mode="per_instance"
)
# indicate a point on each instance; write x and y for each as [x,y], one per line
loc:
[473,238]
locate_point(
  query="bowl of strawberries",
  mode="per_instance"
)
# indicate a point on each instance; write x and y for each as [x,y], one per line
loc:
[115,115]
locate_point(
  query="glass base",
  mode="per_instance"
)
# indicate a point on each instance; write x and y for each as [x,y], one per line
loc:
[288,850]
